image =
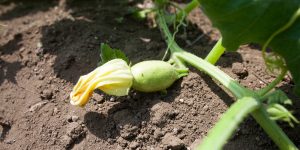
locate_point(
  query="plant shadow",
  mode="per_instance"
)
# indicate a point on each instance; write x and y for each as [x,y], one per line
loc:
[76,41]
[216,89]
[22,8]
[130,115]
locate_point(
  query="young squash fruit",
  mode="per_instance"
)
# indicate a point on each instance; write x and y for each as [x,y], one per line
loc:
[153,76]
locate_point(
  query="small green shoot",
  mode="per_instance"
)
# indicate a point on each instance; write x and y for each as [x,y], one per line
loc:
[119,20]
[108,53]
[141,14]
[280,113]
[277,96]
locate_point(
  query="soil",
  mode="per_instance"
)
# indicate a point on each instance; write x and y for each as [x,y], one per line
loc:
[45,46]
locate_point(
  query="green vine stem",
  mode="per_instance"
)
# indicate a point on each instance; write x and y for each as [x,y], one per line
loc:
[234,87]
[280,30]
[215,53]
[229,122]
[237,90]
[270,86]
[187,9]
[271,128]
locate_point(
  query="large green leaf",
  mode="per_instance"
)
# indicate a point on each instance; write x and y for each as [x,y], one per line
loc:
[254,21]
[288,46]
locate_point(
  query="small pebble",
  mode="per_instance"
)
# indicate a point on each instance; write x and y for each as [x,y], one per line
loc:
[181,100]
[112,99]
[172,142]
[55,111]
[74,118]
[157,133]
[41,77]
[37,106]
[9,141]
[47,94]
[134,145]
[205,108]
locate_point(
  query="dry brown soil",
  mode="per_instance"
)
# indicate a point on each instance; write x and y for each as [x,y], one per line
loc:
[46,45]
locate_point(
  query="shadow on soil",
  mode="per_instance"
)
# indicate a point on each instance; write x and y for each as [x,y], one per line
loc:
[76,42]
[20,8]
[126,118]
[216,89]
[8,70]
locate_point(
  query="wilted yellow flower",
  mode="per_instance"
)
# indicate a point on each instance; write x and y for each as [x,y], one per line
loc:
[113,78]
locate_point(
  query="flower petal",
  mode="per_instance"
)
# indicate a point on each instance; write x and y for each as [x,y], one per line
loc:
[113,78]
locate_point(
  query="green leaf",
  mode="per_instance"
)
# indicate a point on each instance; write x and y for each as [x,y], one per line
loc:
[278,96]
[141,14]
[254,21]
[279,112]
[274,62]
[287,44]
[108,53]
[161,3]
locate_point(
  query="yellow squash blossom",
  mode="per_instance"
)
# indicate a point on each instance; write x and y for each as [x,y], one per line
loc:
[113,78]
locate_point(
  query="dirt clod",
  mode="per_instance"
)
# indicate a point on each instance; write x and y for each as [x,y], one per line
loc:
[134,145]
[239,70]
[126,123]
[41,77]
[55,111]
[161,113]
[75,118]
[172,142]
[74,132]
[47,94]
[9,141]
[158,133]
[37,106]
[122,142]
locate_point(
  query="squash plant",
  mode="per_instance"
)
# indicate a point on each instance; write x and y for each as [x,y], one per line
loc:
[273,24]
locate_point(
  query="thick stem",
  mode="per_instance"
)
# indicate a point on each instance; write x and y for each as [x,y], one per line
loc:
[187,9]
[215,53]
[230,120]
[270,86]
[162,24]
[234,87]
[222,131]
[237,90]
[273,130]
